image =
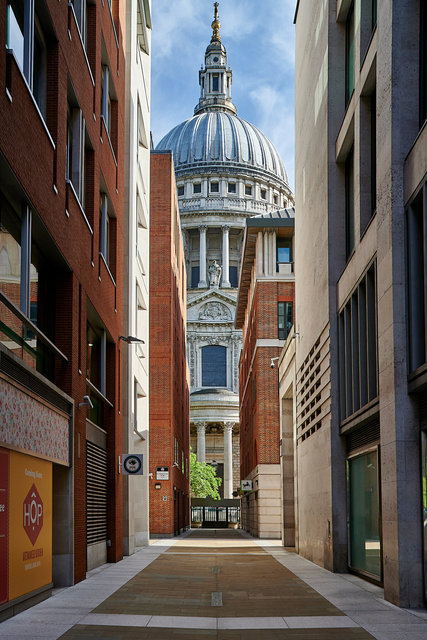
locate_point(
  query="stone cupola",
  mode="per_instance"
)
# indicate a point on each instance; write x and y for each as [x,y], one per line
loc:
[215,79]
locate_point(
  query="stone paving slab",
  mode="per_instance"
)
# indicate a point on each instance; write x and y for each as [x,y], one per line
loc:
[83,632]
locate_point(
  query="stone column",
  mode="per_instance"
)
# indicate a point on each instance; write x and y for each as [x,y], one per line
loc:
[202,256]
[201,441]
[225,256]
[228,459]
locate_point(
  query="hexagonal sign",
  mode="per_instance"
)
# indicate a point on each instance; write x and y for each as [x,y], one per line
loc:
[33,514]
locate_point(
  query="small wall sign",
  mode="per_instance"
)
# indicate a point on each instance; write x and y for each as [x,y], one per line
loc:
[162,473]
[132,464]
[246,485]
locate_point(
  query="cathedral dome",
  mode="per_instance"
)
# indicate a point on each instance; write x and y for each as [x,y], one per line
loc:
[213,137]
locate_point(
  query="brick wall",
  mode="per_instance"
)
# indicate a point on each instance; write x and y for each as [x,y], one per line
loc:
[169,378]
[35,157]
[259,400]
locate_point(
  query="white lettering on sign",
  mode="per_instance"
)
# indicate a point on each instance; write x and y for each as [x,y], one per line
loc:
[33,511]
[33,474]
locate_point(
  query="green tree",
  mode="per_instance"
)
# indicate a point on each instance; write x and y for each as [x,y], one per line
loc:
[203,480]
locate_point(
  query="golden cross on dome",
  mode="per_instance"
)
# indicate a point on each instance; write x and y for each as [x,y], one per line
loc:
[216,25]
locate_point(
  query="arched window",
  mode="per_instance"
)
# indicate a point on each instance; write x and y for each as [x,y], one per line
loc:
[214,366]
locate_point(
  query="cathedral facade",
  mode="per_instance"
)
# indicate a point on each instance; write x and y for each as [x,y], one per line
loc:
[226,171]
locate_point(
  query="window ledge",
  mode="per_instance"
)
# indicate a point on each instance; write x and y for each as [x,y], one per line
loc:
[98,393]
[108,138]
[359,417]
[70,184]
[417,380]
[101,255]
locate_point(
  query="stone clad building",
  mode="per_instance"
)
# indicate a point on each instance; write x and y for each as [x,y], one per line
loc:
[361,370]
[226,171]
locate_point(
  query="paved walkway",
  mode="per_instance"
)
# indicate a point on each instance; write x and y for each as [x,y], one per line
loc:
[217,584]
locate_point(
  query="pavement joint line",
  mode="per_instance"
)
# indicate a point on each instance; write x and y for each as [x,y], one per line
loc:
[198,622]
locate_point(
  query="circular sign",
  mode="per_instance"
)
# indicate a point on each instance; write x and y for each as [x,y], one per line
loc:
[132,464]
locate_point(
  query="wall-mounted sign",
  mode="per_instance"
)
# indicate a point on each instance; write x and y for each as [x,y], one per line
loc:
[162,473]
[132,464]
[246,485]
[30,555]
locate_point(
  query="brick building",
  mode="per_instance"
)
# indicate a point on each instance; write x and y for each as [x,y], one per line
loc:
[61,220]
[169,438]
[264,312]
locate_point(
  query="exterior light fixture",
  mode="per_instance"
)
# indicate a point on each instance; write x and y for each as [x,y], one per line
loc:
[131,339]
[87,402]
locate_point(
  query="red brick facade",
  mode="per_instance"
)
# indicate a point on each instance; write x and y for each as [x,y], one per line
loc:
[80,286]
[259,399]
[169,377]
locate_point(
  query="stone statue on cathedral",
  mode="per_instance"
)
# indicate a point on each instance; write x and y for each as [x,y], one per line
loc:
[214,274]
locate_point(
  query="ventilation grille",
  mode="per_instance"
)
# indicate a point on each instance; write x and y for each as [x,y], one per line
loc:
[313,389]
[369,434]
[96,493]
[12,369]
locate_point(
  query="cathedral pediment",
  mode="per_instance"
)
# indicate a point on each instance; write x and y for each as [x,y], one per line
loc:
[211,306]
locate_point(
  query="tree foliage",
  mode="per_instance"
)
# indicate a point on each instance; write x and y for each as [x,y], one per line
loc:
[203,480]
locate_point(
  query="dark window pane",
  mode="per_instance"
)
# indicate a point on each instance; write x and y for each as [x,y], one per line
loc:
[195,277]
[180,191]
[231,187]
[248,190]
[234,278]
[423,63]
[214,366]
[197,188]
[285,319]
[349,203]
[214,187]
[349,57]
[215,83]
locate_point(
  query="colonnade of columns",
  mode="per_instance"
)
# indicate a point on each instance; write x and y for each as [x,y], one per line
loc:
[203,283]
[228,453]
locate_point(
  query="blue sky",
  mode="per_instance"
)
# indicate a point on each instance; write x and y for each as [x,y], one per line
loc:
[259,38]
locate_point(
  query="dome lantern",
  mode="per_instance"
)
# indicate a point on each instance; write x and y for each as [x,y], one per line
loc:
[214,78]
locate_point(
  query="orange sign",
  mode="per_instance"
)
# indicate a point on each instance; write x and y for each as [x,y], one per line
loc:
[30,524]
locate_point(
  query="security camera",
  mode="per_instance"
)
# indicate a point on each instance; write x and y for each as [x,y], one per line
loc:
[272,364]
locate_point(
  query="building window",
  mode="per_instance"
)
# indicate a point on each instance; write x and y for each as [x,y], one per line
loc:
[26,38]
[248,190]
[423,63]
[275,199]
[107,232]
[80,9]
[214,187]
[180,190]
[364,514]
[231,187]
[285,319]
[349,204]
[195,277]
[215,82]
[143,24]
[416,228]
[349,56]
[284,251]
[197,187]
[106,98]
[358,346]
[234,276]
[263,194]
[214,366]
[368,159]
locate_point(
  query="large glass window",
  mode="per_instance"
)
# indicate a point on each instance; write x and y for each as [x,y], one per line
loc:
[285,319]
[214,366]
[195,277]
[349,56]
[416,282]
[349,204]
[26,39]
[364,514]
[284,251]
[358,346]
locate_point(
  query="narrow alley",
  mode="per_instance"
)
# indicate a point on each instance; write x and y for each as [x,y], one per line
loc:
[217,584]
